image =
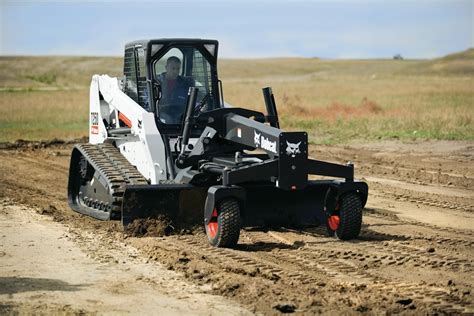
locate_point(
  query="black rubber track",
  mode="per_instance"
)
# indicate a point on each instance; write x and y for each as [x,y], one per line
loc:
[350,214]
[229,224]
[113,167]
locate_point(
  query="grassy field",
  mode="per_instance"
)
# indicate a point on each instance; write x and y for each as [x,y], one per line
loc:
[336,101]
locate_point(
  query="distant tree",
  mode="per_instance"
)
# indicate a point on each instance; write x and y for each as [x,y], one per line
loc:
[398,57]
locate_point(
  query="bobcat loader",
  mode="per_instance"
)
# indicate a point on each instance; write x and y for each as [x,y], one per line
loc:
[162,142]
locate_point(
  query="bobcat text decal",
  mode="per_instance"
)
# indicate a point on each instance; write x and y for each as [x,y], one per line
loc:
[264,143]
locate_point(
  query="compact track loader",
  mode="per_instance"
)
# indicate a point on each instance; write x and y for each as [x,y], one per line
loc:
[162,142]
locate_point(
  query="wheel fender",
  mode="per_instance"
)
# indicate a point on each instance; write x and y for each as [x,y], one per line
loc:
[340,188]
[217,193]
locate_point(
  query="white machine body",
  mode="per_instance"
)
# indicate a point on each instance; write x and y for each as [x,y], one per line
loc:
[141,142]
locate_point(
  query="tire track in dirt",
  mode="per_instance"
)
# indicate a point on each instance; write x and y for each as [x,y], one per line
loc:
[301,256]
[447,241]
[426,201]
[436,228]
[337,264]
[267,268]
[407,162]
[247,263]
[393,252]
[372,235]
[336,269]
[417,176]
[306,266]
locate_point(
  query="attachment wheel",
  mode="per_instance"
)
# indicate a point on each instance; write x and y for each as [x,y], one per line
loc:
[223,229]
[347,220]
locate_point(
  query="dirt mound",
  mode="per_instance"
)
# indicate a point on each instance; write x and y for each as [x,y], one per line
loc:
[159,227]
[150,227]
[37,144]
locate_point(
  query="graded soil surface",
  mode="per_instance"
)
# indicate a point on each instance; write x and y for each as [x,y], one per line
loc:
[414,254]
[47,268]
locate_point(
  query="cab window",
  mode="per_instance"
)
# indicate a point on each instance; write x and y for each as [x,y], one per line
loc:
[177,71]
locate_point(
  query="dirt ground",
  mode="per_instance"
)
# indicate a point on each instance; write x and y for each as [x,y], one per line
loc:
[50,269]
[414,254]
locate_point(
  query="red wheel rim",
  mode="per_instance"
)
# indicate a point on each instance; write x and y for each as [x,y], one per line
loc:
[334,221]
[213,225]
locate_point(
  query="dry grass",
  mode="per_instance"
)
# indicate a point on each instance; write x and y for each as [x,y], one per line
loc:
[458,64]
[377,106]
[57,72]
[43,114]
[336,101]
[331,113]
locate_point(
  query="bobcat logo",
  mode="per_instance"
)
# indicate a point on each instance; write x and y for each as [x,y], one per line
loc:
[264,143]
[256,138]
[94,118]
[292,149]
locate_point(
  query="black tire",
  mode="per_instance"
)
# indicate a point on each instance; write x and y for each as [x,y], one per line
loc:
[223,230]
[350,217]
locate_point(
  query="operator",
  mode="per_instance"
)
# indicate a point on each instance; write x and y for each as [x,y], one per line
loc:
[173,86]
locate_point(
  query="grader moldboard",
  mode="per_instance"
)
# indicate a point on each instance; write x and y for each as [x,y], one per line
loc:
[153,152]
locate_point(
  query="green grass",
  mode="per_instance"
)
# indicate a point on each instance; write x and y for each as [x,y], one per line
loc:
[336,101]
[61,130]
[347,130]
[47,78]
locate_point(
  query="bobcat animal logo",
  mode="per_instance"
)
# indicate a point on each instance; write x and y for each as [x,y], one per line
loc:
[94,118]
[292,149]
[256,138]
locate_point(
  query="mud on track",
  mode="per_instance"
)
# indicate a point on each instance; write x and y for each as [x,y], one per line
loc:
[415,253]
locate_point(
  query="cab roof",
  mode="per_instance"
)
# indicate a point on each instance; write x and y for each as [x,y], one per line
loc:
[145,42]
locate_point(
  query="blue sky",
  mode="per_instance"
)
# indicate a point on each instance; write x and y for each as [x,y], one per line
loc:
[245,29]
